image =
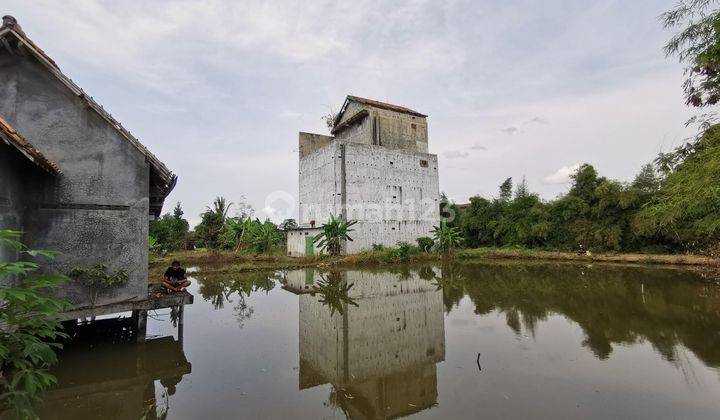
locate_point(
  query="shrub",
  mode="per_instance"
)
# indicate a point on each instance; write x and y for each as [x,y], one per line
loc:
[97,279]
[403,251]
[447,238]
[425,243]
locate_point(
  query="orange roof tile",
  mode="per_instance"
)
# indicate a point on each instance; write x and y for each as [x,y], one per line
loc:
[14,139]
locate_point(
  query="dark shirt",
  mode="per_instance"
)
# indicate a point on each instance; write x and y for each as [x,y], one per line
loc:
[175,274]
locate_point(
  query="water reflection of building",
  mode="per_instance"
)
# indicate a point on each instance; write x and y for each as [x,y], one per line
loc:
[379,356]
[114,379]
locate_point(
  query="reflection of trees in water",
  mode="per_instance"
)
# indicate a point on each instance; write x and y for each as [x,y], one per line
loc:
[243,311]
[334,292]
[222,288]
[451,282]
[613,304]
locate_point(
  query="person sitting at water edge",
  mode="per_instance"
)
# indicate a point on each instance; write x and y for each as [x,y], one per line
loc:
[174,278]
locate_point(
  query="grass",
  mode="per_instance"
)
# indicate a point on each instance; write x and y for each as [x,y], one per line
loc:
[217,261]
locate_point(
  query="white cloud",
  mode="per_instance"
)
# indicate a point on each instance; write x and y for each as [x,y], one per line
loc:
[456,154]
[562,175]
[478,147]
[510,130]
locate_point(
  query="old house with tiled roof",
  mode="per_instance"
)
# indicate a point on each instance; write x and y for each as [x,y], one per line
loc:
[72,178]
[375,168]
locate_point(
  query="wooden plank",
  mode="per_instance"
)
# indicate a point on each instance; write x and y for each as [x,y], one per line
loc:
[148,304]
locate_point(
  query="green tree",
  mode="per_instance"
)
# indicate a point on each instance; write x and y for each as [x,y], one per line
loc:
[212,222]
[288,224]
[584,182]
[479,221]
[697,44]
[647,180]
[506,190]
[686,210]
[334,233]
[29,332]
[171,230]
[522,190]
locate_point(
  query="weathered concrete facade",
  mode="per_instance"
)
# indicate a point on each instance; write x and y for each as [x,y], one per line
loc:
[13,190]
[383,351]
[98,210]
[376,170]
[376,123]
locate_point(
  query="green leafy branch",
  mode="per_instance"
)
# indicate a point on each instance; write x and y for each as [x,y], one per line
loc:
[29,329]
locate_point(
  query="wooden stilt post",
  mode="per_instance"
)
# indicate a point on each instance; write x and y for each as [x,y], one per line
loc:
[181,322]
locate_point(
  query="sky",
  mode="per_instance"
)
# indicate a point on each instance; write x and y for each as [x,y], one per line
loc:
[219,89]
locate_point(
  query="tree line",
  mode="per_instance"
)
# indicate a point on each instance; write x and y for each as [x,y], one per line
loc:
[666,208]
[218,230]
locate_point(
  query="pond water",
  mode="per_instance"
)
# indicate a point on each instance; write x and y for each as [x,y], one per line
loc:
[477,340]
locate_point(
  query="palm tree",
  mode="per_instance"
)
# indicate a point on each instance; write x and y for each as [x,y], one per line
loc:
[333,234]
[446,238]
[221,208]
[212,223]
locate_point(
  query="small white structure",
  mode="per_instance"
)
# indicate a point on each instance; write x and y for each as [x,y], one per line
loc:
[300,242]
[375,169]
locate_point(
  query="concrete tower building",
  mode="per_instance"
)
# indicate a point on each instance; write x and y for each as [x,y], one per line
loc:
[376,169]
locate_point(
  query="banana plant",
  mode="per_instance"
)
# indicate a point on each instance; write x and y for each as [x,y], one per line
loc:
[334,234]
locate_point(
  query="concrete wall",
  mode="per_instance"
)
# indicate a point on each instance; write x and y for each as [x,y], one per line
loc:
[320,185]
[98,211]
[17,176]
[12,206]
[393,194]
[391,129]
[309,142]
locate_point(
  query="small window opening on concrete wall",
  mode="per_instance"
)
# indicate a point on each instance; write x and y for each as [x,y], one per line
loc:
[423,163]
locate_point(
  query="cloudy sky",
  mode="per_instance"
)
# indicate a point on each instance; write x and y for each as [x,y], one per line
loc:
[218,89]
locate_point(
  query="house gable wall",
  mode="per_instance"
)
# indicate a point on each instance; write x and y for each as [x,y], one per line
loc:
[97,212]
[383,127]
